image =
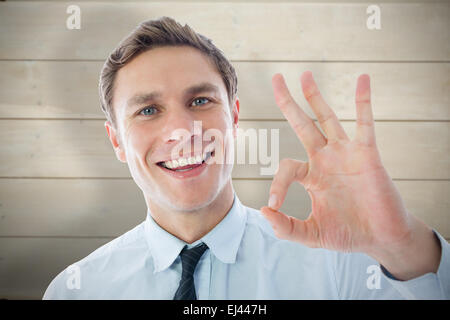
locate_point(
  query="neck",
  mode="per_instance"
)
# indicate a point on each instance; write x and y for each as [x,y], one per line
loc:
[193,225]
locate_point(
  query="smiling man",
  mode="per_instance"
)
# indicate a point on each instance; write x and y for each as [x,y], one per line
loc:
[156,94]
[198,240]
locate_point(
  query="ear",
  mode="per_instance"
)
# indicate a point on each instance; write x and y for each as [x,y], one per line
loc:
[235,116]
[113,137]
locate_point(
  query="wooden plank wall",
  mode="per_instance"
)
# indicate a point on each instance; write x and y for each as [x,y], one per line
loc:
[62,191]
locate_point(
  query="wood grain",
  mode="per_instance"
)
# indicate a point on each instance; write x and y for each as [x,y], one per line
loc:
[110,207]
[400,91]
[81,148]
[298,31]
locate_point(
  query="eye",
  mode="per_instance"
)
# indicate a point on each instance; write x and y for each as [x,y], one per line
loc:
[150,111]
[199,100]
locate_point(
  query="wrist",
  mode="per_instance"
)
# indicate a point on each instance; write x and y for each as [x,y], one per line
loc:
[419,253]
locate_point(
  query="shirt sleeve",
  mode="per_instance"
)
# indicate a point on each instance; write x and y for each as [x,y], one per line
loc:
[358,276]
[430,285]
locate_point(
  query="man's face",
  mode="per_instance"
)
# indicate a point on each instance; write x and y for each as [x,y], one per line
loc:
[152,101]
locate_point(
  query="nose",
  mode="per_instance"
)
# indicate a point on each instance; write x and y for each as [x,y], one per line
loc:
[181,125]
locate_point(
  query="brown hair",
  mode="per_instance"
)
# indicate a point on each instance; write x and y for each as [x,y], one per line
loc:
[150,34]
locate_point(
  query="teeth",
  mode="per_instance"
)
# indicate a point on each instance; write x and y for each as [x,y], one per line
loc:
[173,164]
[182,162]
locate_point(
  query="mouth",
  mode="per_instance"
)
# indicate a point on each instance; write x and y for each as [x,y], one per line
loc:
[187,163]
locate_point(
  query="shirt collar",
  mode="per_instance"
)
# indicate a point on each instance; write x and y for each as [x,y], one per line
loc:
[223,240]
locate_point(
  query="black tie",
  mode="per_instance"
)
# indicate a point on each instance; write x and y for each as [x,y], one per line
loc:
[189,260]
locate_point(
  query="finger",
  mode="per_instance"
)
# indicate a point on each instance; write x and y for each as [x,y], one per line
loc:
[292,229]
[305,128]
[365,128]
[289,170]
[325,115]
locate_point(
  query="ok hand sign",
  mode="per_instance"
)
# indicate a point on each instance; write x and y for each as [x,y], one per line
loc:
[355,205]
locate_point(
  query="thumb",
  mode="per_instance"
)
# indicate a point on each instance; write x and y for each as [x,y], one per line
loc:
[292,229]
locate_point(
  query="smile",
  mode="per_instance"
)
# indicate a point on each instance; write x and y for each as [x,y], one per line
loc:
[185,164]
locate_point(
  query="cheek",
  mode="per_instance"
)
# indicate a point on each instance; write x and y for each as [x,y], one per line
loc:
[221,133]
[220,119]
[139,139]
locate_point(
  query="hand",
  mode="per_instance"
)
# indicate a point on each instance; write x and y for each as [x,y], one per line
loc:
[355,205]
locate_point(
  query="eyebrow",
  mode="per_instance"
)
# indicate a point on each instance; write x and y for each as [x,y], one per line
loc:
[141,98]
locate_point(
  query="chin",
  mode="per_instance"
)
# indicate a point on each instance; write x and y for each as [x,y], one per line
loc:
[192,200]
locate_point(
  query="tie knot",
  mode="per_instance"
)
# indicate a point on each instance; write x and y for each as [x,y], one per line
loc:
[190,258]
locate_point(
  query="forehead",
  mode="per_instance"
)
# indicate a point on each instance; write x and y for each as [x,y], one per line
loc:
[166,69]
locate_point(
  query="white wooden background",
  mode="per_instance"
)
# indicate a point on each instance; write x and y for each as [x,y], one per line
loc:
[64,194]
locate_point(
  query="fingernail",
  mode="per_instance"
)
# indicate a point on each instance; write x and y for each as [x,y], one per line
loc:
[272,201]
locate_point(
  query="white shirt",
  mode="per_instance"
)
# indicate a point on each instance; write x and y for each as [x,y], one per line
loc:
[245,260]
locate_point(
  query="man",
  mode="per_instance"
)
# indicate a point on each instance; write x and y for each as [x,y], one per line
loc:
[198,241]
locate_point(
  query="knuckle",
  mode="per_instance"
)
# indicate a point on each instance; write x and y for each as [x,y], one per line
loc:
[285,162]
[302,126]
[302,171]
[312,93]
[285,101]
[364,122]
[363,101]
[322,118]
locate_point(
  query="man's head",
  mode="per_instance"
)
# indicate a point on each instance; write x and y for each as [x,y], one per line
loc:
[160,79]
[153,34]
